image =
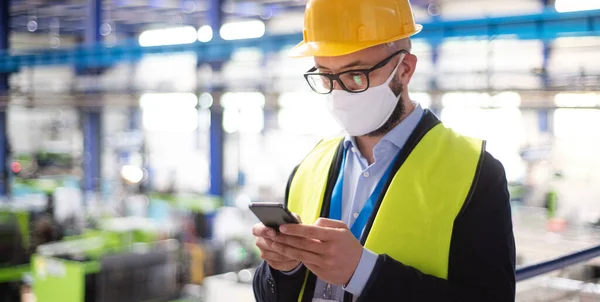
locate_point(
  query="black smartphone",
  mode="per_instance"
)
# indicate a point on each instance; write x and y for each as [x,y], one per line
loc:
[272,214]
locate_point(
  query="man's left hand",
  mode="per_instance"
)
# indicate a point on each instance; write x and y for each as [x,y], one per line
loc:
[328,249]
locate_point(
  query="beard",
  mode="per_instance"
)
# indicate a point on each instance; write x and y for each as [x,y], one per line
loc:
[396,113]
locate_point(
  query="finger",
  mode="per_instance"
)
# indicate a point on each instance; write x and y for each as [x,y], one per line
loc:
[310,231]
[285,266]
[270,256]
[331,223]
[312,267]
[321,272]
[260,230]
[306,244]
[264,244]
[298,254]
[268,253]
[317,270]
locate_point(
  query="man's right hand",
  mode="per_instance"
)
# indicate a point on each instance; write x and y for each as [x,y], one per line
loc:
[264,241]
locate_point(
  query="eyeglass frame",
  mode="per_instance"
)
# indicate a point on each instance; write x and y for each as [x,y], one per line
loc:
[336,76]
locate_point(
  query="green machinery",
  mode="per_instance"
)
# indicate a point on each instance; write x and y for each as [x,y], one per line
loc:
[109,265]
[14,246]
[17,223]
[124,261]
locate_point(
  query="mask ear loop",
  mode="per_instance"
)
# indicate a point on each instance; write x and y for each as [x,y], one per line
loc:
[387,82]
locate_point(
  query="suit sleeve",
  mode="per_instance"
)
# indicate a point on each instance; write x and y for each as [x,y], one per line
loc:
[271,285]
[482,253]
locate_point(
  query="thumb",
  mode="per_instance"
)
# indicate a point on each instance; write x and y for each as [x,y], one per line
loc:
[330,223]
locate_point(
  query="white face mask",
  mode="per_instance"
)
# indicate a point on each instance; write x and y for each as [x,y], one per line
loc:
[365,112]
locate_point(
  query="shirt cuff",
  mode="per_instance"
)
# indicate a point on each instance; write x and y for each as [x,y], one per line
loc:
[294,271]
[362,274]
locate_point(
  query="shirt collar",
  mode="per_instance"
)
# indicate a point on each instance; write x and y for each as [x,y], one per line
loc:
[399,134]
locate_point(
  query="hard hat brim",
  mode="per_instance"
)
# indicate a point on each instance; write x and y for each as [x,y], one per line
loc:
[333,49]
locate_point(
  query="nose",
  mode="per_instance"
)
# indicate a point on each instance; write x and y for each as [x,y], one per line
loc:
[337,86]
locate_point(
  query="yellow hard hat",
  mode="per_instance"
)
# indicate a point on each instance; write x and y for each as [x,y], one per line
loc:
[339,27]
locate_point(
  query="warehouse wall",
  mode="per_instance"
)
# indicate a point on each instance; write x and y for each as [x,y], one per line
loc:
[280,134]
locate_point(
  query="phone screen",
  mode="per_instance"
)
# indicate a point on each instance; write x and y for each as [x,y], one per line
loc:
[272,215]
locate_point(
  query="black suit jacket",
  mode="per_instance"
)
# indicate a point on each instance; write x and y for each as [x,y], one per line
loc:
[482,251]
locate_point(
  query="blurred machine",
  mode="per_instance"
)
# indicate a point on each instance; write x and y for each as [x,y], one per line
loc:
[25,224]
[166,244]
[213,236]
[128,264]
[13,257]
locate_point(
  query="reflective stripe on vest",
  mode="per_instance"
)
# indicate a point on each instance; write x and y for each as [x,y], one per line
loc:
[415,220]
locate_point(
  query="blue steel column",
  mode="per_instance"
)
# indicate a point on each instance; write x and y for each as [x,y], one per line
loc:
[92,130]
[547,52]
[217,139]
[215,15]
[92,115]
[435,55]
[545,115]
[4,90]
[547,3]
[133,126]
[136,128]
[217,134]
[434,88]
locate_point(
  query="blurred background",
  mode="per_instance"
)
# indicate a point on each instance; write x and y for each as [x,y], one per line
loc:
[134,133]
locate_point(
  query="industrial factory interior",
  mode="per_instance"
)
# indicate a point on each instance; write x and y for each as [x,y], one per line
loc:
[141,140]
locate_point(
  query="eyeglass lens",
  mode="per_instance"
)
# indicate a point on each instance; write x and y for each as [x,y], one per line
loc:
[355,81]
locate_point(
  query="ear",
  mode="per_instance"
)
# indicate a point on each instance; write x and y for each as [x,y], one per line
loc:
[410,64]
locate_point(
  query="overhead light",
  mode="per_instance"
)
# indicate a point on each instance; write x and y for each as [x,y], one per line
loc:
[423,98]
[297,107]
[205,100]
[242,30]
[464,99]
[563,6]
[132,174]
[168,36]
[507,99]
[243,112]
[300,100]
[169,112]
[577,99]
[243,100]
[166,101]
[205,33]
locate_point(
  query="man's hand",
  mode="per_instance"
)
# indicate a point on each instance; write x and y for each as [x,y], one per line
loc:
[328,249]
[264,241]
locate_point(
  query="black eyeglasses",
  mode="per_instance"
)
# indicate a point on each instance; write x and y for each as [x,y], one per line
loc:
[354,81]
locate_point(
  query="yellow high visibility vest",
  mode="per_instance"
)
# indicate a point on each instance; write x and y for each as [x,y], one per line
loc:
[415,220]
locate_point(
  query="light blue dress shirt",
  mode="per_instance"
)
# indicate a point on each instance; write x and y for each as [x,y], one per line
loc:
[359,182]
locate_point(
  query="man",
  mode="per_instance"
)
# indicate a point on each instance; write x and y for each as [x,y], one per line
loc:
[402,208]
